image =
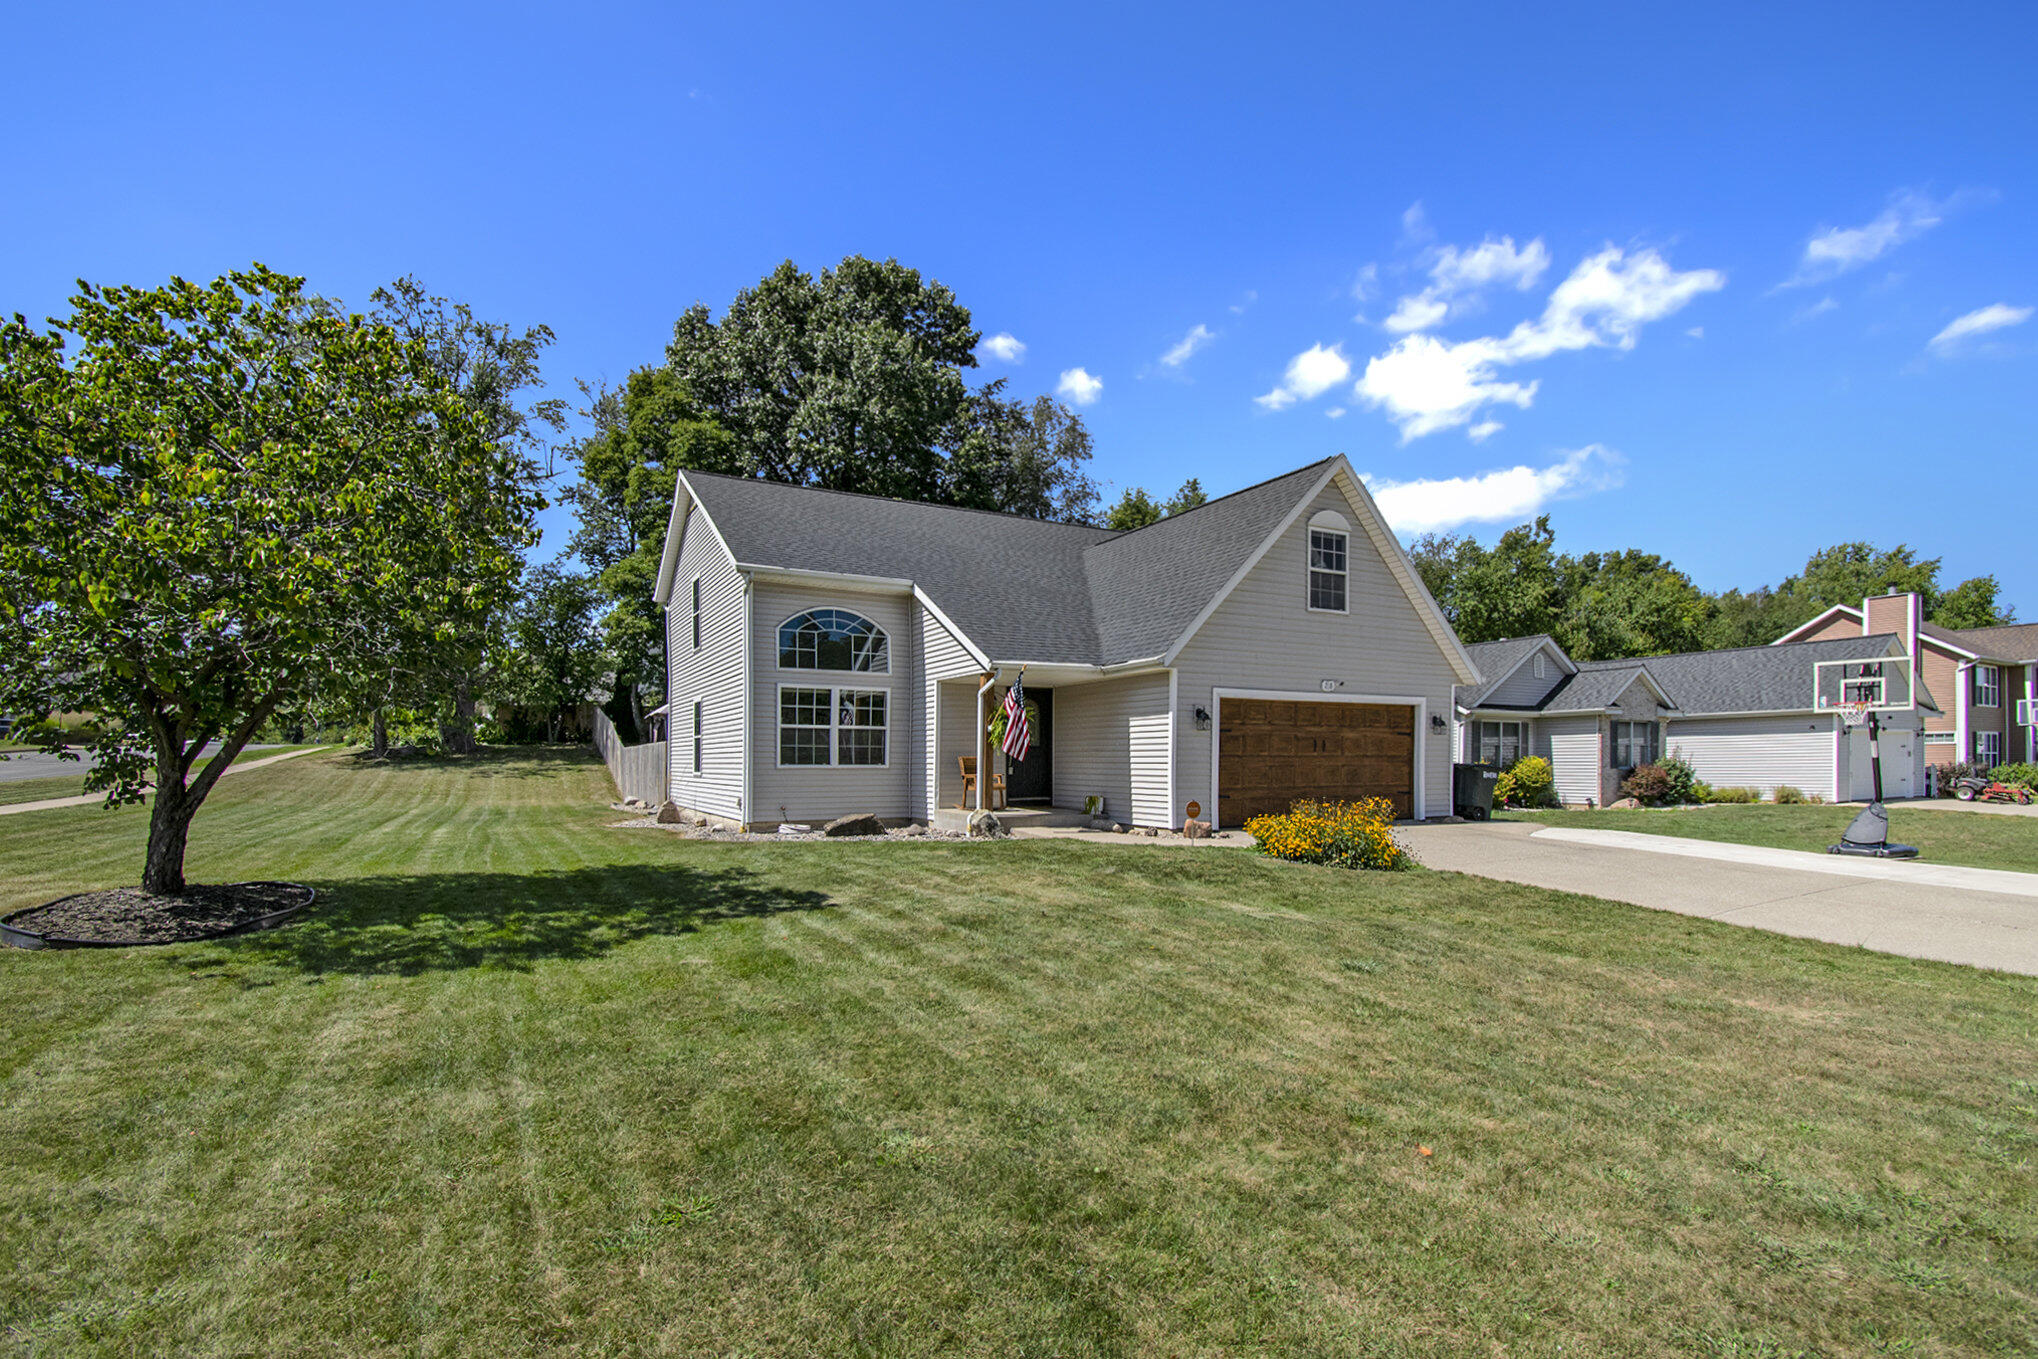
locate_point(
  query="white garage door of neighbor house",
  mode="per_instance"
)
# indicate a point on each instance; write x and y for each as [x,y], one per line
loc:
[1899,764]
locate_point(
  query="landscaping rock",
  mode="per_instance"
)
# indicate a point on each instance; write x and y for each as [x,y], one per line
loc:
[1117,829]
[790,828]
[914,829]
[861,824]
[671,815]
[984,825]
[1626,804]
[1195,830]
[1151,831]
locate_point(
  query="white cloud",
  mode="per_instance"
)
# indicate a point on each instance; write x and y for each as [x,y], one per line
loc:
[1506,495]
[1425,384]
[1484,430]
[1334,413]
[1490,262]
[1005,346]
[1696,332]
[1417,311]
[1238,307]
[1835,250]
[1366,283]
[1415,227]
[1816,309]
[1310,374]
[1078,386]
[1995,316]
[1197,337]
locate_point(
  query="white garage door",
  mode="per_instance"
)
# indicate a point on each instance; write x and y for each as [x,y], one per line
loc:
[1899,764]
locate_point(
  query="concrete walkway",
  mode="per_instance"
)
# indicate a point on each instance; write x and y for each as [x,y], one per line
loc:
[88,799]
[1954,804]
[1932,911]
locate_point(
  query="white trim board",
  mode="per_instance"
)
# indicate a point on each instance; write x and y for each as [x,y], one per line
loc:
[1418,797]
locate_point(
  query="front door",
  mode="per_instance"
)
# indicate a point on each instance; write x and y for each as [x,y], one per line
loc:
[1032,779]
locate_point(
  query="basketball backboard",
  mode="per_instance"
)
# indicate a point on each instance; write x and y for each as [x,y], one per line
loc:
[1878,683]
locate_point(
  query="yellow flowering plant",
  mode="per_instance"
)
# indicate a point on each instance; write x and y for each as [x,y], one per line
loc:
[1343,834]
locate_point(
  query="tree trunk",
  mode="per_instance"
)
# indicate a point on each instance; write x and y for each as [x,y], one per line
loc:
[378,745]
[642,723]
[169,829]
[463,742]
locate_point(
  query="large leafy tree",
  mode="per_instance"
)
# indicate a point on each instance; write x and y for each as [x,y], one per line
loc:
[643,435]
[1512,589]
[495,369]
[1020,458]
[551,655]
[221,500]
[850,380]
[1628,603]
[1135,509]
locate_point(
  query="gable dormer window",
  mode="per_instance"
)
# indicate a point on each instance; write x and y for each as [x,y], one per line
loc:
[1539,666]
[833,639]
[1329,562]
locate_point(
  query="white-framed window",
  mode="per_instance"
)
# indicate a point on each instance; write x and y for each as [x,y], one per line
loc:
[1938,738]
[1539,664]
[696,736]
[1635,744]
[1501,743]
[1988,686]
[818,727]
[833,639]
[1329,569]
[1988,748]
[696,613]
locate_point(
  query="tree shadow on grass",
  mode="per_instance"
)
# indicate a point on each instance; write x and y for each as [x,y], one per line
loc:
[490,762]
[444,922]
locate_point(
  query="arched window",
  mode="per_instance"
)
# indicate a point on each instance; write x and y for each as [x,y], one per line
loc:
[833,639]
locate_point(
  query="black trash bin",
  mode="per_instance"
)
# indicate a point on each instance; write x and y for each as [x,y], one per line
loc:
[1472,790]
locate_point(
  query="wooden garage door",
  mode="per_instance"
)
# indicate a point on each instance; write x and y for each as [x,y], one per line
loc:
[1273,751]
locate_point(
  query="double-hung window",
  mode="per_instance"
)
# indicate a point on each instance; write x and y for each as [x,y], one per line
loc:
[696,736]
[1634,744]
[1988,748]
[1500,743]
[696,613]
[1328,569]
[832,726]
[1988,686]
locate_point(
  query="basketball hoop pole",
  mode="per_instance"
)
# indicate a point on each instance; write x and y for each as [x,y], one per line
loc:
[1875,751]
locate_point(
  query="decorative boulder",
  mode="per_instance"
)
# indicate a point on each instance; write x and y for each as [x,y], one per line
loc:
[1626,804]
[986,826]
[861,824]
[1193,829]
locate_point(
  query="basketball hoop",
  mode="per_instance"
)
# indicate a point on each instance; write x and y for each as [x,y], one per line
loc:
[1853,712]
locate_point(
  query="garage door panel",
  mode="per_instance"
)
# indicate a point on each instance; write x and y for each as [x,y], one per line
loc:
[1273,753]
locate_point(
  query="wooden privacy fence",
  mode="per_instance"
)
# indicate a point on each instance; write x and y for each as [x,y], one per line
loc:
[639,771]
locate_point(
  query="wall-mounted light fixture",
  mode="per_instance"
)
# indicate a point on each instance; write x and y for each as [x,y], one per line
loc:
[1436,721]
[1202,718]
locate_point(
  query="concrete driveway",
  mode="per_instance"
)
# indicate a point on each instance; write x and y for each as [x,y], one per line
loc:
[1927,913]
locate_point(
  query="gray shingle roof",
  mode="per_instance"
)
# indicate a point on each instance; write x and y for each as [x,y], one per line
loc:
[1496,660]
[1022,589]
[1776,678]
[2014,642]
[1594,689]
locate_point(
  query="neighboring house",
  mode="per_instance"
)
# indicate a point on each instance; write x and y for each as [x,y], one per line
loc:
[830,653]
[1741,718]
[1986,677]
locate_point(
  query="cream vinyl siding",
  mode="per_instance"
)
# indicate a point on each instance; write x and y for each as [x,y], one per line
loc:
[1522,688]
[1637,703]
[711,676]
[822,792]
[1760,752]
[1111,737]
[942,657]
[1572,746]
[1264,637]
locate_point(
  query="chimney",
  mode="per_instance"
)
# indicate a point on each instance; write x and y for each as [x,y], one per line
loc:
[1901,614]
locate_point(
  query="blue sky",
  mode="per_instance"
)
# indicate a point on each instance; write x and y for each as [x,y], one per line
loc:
[1727,284]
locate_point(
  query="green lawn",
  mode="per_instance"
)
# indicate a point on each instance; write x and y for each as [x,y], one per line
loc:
[73,785]
[524,1084]
[1976,839]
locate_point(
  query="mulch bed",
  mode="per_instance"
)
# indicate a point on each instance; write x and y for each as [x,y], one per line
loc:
[129,915]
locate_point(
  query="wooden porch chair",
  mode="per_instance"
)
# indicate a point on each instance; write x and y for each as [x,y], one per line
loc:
[968,764]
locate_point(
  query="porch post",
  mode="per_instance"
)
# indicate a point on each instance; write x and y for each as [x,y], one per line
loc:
[983,739]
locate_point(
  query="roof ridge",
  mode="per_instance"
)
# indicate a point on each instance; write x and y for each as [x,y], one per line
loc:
[1727,650]
[901,500]
[1218,500]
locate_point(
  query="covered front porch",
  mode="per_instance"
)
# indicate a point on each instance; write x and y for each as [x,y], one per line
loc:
[1101,736]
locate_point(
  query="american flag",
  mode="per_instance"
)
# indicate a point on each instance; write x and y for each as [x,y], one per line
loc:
[1018,736]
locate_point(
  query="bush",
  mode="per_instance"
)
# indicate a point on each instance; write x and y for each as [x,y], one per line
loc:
[1735,795]
[1683,781]
[2024,775]
[1341,834]
[1701,792]
[1787,796]
[1528,782]
[1649,785]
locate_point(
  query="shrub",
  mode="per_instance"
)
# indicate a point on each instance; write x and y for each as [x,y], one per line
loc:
[1701,792]
[1342,834]
[1683,781]
[1787,796]
[2024,774]
[1649,785]
[1735,795]
[1528,782]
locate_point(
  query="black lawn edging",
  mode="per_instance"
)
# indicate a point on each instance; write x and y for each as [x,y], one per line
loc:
[16,936]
